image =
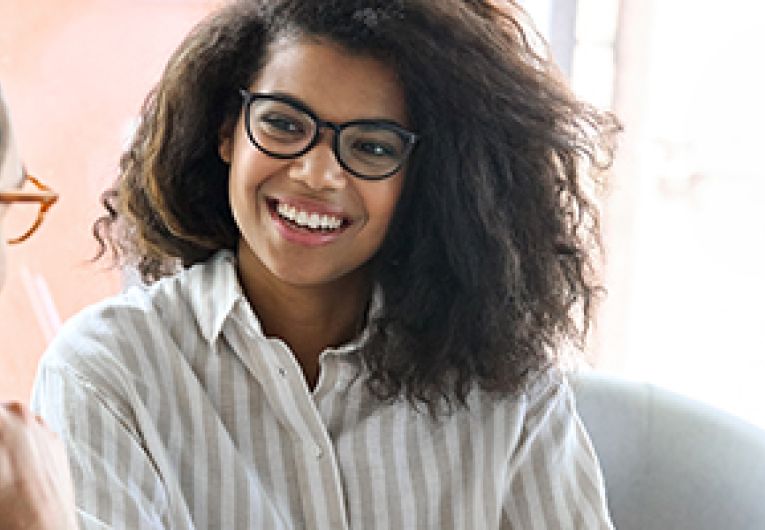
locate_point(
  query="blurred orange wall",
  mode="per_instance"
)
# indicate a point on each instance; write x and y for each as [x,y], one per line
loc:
[74,74]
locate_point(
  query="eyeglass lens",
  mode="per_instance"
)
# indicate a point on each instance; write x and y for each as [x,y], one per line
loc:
[367,149]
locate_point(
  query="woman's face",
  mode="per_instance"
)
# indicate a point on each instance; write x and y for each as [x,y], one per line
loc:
[270,197]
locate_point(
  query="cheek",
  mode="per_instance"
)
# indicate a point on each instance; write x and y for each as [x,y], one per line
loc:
[381,200]
[247,173]
[2,263]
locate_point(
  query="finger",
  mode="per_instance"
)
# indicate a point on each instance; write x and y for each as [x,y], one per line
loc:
[6,416]
[18,409]
[42,424]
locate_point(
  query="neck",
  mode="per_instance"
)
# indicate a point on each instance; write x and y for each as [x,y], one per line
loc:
[309,319]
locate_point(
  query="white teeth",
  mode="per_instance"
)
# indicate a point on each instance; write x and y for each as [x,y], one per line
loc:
[313,220]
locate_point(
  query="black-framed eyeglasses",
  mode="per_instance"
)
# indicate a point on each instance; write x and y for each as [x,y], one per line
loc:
[282,127]
[43,196]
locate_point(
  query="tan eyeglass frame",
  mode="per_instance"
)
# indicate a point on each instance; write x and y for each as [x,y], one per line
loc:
[44,196]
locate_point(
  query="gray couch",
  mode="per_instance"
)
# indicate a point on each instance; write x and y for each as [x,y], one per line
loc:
[671,463]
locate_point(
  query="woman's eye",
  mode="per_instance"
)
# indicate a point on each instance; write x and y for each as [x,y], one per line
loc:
[375,149]
[282,124]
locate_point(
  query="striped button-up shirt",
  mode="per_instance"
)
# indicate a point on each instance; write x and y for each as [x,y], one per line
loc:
[179,413]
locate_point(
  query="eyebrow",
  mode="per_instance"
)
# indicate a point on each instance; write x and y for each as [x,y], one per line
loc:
[302,105]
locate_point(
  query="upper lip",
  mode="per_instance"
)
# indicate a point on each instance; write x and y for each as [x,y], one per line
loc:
[310,205]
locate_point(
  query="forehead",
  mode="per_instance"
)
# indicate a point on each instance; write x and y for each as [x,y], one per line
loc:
[10,166]
[337,84]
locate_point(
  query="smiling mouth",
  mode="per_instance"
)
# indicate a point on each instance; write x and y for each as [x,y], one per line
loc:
[305,220]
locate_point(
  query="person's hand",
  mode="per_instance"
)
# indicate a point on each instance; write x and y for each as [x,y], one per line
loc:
[35,485]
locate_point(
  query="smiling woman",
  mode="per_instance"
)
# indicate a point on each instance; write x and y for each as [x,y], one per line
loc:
[367,237]
[314,183]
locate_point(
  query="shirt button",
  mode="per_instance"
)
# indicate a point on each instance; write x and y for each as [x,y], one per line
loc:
[282,372]
[318,452]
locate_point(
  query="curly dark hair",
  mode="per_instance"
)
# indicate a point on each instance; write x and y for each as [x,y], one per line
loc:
[488,267]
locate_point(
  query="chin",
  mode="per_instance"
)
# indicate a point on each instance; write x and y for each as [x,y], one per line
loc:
[316,276]
[304,279]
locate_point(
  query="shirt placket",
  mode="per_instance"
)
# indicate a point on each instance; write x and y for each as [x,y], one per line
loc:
[273,365]
[319,476]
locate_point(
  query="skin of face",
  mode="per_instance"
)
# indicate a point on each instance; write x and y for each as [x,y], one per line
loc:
[11,176]
[338,86]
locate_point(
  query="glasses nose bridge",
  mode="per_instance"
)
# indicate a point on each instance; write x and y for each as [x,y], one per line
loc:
[337,128]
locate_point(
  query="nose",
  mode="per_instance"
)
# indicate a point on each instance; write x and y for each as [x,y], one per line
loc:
[318,168]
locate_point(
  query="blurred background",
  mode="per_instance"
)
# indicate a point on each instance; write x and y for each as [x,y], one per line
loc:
[683,216]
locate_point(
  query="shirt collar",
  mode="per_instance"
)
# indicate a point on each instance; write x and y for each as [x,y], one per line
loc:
[373,312]
[214,291]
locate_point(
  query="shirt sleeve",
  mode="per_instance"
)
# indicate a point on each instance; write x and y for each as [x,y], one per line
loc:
[116,482]
[554,478]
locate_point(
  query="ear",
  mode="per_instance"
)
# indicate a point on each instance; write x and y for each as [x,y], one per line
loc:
[226,141]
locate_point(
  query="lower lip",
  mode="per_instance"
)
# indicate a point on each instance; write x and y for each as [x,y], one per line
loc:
[303,237]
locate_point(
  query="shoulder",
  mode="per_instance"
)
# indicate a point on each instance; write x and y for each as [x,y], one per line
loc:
[538,391]
[98,348]
[545,399]
[125,336]
[106,325]
[545,388]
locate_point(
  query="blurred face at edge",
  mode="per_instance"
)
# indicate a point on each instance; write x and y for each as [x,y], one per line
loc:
[11,174]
